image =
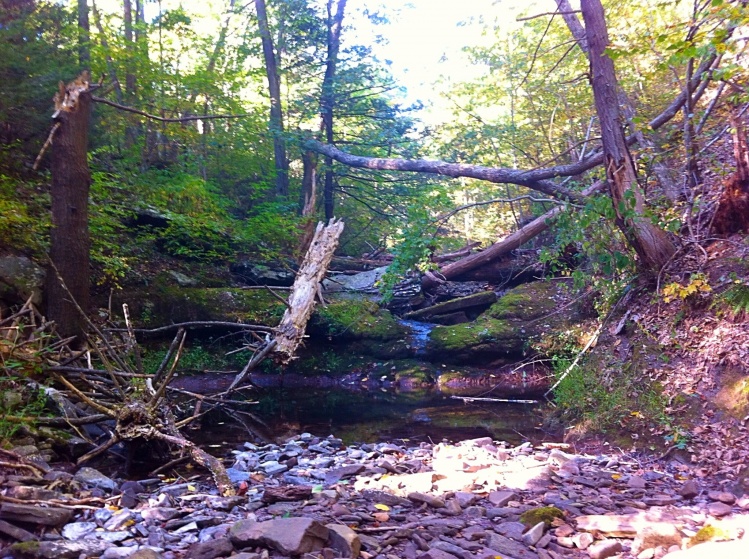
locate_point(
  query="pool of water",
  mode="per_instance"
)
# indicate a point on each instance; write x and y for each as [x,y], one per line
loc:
[371,416]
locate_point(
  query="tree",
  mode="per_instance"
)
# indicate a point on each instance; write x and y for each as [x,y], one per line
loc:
[276,108]
[652,245]
[69,237]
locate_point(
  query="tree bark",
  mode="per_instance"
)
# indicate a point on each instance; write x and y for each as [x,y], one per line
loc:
[290,330]
[652,245]
[69,236]
[276,109]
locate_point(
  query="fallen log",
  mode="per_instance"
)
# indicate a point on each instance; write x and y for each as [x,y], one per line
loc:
[481,300]
[509,243]
[301,303]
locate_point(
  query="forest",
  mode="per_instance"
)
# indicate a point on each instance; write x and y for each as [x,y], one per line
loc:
[200,202]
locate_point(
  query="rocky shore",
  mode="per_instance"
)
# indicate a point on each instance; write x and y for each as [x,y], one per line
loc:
[317,498]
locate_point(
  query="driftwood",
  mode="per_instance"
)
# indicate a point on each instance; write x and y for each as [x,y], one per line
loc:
[290,331]
[509,243]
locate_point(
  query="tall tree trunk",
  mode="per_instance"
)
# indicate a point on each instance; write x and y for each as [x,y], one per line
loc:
[276,109]
[84,36]
[327,100]
[653,246]
[69,236]
[327,104]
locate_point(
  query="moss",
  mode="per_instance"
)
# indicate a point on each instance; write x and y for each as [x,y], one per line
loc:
[709,533]
[21,549]
[482,337]
[542,514]
[414,376]
[530,301]
[356,319]
[170,304]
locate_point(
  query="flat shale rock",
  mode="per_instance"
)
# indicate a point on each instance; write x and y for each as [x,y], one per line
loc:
[34,514]
[58,549]
[292,536]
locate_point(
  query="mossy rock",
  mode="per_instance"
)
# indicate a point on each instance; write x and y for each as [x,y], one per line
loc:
[417,376]
[547,515]
[167,305]
[522,315]
[532,300]
[351,319]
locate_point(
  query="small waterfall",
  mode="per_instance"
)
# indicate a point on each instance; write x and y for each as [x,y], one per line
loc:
[419,336]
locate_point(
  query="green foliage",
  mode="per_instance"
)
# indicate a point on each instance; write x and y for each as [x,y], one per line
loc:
[735,299]
[601,257]
[23,215]
[606,398]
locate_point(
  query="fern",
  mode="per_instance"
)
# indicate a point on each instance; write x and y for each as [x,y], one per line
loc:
[736,299]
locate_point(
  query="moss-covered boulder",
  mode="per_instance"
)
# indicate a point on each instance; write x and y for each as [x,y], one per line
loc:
[355,320]
[363,326]
[504,331]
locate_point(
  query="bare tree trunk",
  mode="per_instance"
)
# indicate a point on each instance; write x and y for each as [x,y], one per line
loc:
[732,214]
[71,180]
[276,109]
[653,246]
[306,287]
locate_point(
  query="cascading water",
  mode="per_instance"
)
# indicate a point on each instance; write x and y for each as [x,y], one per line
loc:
[419,336]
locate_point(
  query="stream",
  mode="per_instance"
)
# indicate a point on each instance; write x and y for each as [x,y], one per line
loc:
[373,416]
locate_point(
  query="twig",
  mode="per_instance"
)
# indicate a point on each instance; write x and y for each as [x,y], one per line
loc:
[164,383]
[160,118]
[46,145]
[254,360]
[277,296]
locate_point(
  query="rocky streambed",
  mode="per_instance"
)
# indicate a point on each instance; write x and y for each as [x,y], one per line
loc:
[317,498]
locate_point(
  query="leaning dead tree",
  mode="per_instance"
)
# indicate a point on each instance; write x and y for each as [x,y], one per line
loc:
[306,289]
[304,294]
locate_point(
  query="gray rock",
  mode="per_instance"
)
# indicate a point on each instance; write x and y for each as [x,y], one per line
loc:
[210,549]
[182,280]
[78,530]
[94,478]
[532,536]
[63,549]
[512,530]
[501,498]
[435,553]
[505,546]
[292,536]
[604,549]
[431,500]
[20,278]
[690,489]
[119,520]
[118,552]
[452,549]
[719,509]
